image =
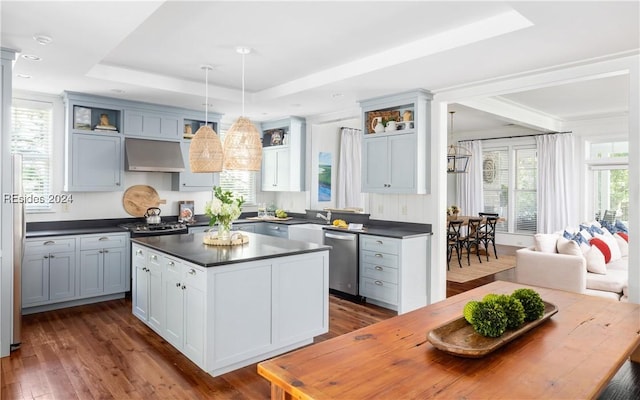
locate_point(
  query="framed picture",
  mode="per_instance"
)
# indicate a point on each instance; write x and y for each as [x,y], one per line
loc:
[81,118]
[186,211]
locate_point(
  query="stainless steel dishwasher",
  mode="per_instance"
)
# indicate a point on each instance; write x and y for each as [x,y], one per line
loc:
[343,261]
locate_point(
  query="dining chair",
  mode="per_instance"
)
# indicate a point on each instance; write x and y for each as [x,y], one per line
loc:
[488,234]
[484,214]
[472,238]
[453,240]
[609,216]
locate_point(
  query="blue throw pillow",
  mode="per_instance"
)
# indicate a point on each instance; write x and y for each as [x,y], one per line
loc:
[609,226]
[578,238]
[567,235]
[595,229]
[621,227]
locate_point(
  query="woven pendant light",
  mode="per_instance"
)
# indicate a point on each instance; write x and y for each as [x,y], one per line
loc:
[242,145]
[205,151]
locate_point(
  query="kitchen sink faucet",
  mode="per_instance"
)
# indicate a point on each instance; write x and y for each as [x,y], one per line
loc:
[327,218]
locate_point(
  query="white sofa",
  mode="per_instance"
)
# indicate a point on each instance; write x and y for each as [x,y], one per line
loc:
[542,265]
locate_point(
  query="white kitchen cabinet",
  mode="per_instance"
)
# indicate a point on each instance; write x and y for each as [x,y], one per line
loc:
[393,272]
[390,163]
[48,271]
[103,266]
[283,161]
[147,301]
[229,316]
[94,160]
[276,170]
[152,125]
[184,296]
[397,161]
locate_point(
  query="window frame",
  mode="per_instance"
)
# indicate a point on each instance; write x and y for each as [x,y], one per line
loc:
[511,145]
[252,176]
[43,206]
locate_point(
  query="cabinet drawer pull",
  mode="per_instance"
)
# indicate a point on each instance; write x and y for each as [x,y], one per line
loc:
[154,257]
[105,251]
[49,242]
[100,251]
[139,251]
[192,271]
[51,256]
[379,283]
[46,257]
[103,238]
[379,255]
[178,284]
[171,263]
[183,287]
[378,268]
[379,241]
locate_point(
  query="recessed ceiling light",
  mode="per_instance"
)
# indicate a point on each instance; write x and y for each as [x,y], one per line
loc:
[243,50]
[31,57]
[23,76]
[43,39]
[336,95]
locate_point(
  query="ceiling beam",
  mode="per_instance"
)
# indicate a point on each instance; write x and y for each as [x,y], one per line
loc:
[515,113]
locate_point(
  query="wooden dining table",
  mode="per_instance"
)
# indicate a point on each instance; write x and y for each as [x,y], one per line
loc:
[572,355]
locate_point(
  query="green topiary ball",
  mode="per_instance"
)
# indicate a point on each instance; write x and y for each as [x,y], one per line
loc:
[512,308]
[532,303]
[489,319]
[468,310]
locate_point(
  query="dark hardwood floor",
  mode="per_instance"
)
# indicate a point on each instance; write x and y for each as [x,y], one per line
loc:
[102,351]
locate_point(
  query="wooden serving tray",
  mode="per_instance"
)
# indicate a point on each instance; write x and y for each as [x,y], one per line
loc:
[458,337]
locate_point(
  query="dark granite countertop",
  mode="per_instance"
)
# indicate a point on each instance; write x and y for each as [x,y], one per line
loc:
[400,230]
[189,247]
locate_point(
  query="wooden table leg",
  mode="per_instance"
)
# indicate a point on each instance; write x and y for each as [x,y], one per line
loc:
[278,393]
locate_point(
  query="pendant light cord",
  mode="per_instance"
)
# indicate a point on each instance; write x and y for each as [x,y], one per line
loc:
[206,95]
[243,84]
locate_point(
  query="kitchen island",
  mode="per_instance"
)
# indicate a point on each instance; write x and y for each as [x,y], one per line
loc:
[226,307]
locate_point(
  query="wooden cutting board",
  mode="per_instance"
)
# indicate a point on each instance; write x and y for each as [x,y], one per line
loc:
[138,198]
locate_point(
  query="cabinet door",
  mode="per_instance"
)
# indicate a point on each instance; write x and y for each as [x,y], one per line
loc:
[140,295]
[156,305]
[170,127]
[91,272]
[269,170]
[402,163]
[115,277]
[193,181]
[284,168]
[374,164]
[173,295]
[35,278]
[194,323]
[62,275]
[96,162]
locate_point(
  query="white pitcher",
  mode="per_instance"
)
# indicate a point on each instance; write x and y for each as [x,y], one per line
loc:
[376,125]
[391,126]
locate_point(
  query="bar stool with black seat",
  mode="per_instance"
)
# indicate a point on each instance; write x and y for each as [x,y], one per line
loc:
[488,234]
[453,240]
[472,238]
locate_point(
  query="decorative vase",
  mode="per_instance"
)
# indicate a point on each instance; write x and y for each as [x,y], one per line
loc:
[224,230]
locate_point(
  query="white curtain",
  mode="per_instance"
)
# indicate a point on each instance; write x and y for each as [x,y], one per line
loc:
[349,176]
[469,196]
[557,206]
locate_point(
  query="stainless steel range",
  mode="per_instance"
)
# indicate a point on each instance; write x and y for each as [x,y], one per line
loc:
[139,229]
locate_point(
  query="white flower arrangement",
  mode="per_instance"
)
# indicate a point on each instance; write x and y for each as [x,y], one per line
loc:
[224,208]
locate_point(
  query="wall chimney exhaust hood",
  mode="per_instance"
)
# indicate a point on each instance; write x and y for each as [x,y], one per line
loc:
[153,156]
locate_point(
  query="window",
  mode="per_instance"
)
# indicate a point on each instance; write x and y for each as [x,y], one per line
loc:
[608,164]
[31,136]
[242,183]
[509,186]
